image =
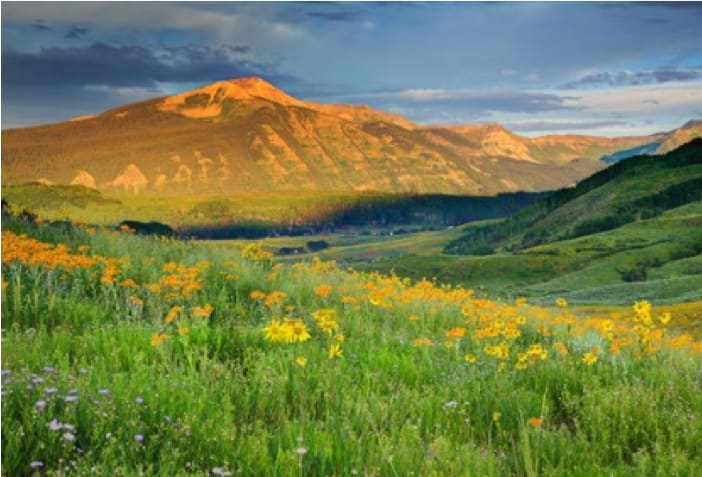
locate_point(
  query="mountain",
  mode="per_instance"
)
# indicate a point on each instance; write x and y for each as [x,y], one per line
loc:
[634,189]
[678,137]
[649,148]
[245,135]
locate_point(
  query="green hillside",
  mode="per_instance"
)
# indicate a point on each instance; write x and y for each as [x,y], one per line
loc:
[659,259]
[640,187]
[632,231]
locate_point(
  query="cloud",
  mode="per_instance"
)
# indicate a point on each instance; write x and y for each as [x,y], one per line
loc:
[76,32]
[224,22]
[70,81]
[476,100]
[565,125]
[128,65]
[40,25]
[634,78]
[338,16]
[238,48]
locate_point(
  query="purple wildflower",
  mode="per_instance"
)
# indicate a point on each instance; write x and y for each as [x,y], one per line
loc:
[54,425]
[220,471]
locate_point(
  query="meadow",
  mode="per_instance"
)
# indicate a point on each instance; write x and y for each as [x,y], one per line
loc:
[129,355]
[261,214]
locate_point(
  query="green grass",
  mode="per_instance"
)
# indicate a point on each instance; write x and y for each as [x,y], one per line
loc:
[269,213]
[224,397]
[590,269]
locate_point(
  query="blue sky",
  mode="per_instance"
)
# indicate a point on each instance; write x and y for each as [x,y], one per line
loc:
[538,68]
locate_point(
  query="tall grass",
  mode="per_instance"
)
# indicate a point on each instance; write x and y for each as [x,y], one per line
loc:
[86,389]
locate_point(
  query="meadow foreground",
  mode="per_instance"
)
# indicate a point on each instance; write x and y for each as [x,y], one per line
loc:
[185,359]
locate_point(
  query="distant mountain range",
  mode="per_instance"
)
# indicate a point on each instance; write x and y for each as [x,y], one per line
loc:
[245,135]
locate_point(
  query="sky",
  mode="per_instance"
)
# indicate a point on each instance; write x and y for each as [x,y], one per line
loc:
[537,68]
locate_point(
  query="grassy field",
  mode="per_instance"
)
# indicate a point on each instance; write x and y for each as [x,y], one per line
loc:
[586,270]
[128,355]
[283,212]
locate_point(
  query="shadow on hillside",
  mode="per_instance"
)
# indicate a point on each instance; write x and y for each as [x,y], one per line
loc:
[423,212]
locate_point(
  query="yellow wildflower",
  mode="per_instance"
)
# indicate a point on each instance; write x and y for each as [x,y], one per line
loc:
[323,290]
[421,342]
[172,314]
[535,422]
[589,359]
[203,311]
[560,347]
[257,295]
[297,331]
[275,332]
[158,338]
[335,351]
[301,360]
[457,332]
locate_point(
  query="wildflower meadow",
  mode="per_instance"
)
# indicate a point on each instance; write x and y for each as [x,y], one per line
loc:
[131,355]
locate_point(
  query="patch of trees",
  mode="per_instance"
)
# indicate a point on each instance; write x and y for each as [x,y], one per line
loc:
[148,228]
[284,251]
[317,245]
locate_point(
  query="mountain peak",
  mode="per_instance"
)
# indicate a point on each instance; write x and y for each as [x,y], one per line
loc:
[208,101]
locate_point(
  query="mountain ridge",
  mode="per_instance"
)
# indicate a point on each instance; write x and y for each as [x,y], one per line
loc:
[246,135]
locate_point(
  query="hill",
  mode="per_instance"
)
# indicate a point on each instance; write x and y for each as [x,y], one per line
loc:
[245,135]
[636,188]
[680,136]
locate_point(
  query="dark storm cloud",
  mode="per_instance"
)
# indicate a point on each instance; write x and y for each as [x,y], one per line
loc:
[40,25]
[634,78]
[100,76]
[76,32]
[340,16]
[237,48]
[127,65]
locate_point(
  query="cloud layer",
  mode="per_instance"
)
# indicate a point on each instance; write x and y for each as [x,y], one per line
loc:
[525,64]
